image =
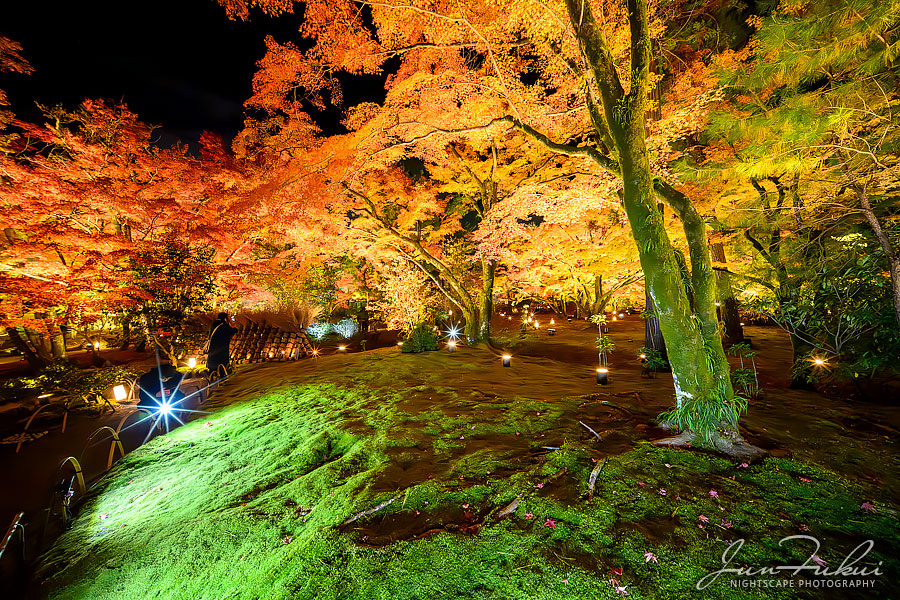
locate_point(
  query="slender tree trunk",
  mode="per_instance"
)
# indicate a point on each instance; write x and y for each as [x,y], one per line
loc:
[126,334]
[653,337]
[486,299]
[58,343]
[728,308]
[472,327]
[886,246]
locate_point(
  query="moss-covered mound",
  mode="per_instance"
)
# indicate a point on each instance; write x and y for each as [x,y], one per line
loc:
[254,503]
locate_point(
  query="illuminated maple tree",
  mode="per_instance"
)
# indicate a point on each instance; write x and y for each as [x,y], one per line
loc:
[88,193]
[574,78]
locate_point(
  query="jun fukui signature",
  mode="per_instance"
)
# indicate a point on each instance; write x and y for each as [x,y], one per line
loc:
[810,566]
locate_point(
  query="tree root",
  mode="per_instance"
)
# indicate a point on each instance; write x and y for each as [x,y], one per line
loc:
[370,511]
[596,435]
[731,445]
[508,509]
[592,481]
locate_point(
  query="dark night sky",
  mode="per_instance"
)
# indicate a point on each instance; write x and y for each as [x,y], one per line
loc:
[180,64]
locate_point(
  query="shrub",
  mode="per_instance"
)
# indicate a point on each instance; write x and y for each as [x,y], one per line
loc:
[745,379]
[319,330]
[346,328]
[421,339]
[65,376]
[605,346]
[653,360]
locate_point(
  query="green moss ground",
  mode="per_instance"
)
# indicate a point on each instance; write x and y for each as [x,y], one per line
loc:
[249,502]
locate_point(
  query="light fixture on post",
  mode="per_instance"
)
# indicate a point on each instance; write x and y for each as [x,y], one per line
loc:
[819,362]
[119,393]
[454,332]
[192,363]
[96,345]
[507,360]
[602,376]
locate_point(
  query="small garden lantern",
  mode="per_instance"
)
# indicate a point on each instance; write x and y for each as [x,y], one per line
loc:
[451,346]
[602,376]
[192,363]
[507,360]
[119,393]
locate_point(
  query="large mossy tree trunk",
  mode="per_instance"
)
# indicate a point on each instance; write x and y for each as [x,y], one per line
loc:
[706,407]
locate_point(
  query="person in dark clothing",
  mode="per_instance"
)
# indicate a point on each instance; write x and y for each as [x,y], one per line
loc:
[220,334]
[161,377]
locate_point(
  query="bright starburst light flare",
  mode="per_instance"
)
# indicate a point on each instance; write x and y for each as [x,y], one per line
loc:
[453,332]
[166,408]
